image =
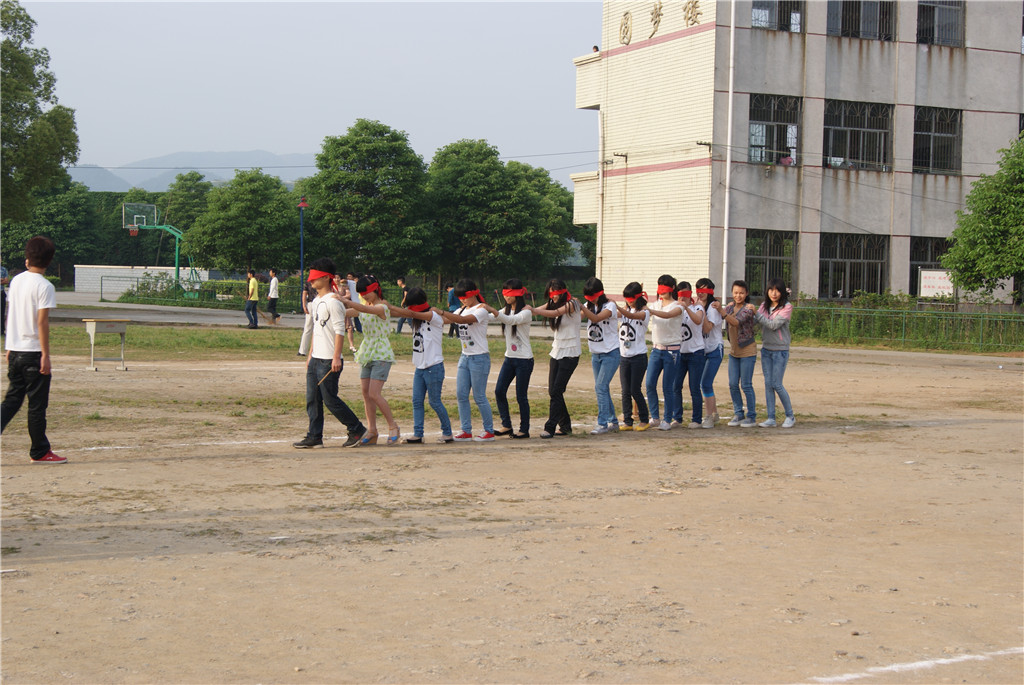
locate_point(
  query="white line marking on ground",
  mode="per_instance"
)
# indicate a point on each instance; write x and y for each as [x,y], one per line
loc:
[914,666]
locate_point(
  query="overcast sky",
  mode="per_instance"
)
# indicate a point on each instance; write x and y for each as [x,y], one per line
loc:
[152,78]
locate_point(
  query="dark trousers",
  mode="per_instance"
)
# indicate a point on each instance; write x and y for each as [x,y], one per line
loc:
[520,370]
[26,381]
[559,373]
[631,376]
[326,393]
[272,307]
[250,312]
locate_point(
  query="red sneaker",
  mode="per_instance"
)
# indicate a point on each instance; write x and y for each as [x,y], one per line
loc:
[50,458]
[486,437]
[463,437]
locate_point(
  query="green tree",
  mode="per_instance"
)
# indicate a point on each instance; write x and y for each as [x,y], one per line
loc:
[988,242]
[495,220]
[182,204]
[38,137]
[66,217]
[366,199]
[249,223]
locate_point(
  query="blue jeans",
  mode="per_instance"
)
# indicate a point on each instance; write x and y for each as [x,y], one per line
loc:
[663,363]
[428,382]
[472,376]
[604,365]
[712,361]
[401,322]
[692,364]
[519,369]
[773,366]
[631,377]
[320,393]
[741,375]
[250,312]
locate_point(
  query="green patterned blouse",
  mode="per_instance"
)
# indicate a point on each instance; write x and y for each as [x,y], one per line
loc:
[376,346]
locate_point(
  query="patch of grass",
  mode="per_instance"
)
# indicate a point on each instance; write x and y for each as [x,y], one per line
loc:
[95,416]
[9,550]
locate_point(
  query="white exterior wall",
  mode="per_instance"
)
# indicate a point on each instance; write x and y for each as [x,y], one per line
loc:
[656,104]
[89,278]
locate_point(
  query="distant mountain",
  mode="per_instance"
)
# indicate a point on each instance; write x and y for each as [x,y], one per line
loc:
[157,173]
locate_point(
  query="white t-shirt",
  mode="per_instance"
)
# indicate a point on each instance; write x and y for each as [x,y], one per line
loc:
[665,331]
[473,336]
[426,342]
[326,319]
[518,346]
[693,333]
[28,293]
[602,336]
[713,340]
[566,342]
[632,332]
[272,295]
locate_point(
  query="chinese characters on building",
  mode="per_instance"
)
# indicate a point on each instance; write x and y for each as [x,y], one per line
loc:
[691,17]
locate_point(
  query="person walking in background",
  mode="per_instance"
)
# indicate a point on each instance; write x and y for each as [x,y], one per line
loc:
[374,356]
[252,298]
[400,281]
[272,297]
[474,363]
[774,315]
[428,359]
[712,330]
[28,348]
[515,320]
[739,317]
[323,334]
[633,321]
[603,339]
[564,313]
[453,306]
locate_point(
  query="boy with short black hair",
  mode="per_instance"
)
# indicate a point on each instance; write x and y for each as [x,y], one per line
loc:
[323,335]
[252,298]
[28,347]
[272,297]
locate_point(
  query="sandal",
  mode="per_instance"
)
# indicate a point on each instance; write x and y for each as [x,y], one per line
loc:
[445,439]
[368,439]
[393,435]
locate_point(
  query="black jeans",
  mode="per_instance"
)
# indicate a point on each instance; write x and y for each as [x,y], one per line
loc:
[326,393]
[520,369]
[559,373]
[631,376]
[26,381]
[272,307]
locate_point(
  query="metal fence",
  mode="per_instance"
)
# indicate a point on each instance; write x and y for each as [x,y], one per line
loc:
[909,328]
[185,293]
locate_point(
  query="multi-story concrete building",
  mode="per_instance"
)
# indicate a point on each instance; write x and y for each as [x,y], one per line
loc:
[826,142]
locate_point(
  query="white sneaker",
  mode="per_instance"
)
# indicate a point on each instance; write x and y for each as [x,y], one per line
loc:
[694,424]
[736,420]
[664,426]
[768,423]
[600,430]
[676,423]
[613,428]
[748,423]
[708,423]
[789,422]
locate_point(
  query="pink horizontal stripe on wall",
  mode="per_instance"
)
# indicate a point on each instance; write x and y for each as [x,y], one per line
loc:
[666,166]
[657,40]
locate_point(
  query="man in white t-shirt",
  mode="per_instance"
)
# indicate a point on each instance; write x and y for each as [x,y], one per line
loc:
[28,347]
[272,297]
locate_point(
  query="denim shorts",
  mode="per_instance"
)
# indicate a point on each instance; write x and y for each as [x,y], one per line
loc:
[376,370]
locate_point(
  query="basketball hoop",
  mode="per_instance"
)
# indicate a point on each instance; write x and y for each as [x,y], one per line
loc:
[133,231]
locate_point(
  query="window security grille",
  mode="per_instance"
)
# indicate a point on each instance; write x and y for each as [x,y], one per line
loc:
[858,135]
[769,254]
[937,140]
[778,15]
[924,254]
[873,19]
[774,129]
[850,262]
[941,22]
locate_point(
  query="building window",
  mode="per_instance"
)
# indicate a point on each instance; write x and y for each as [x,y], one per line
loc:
[858,135]
[774,129]
[924,254]
[770,254]
[937,135]
[941,22]
[852,262]
[778,15]
[874,19]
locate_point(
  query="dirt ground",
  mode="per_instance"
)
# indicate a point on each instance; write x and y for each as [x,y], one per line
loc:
[186,541]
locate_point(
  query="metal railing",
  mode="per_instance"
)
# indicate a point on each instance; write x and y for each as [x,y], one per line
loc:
[184,293]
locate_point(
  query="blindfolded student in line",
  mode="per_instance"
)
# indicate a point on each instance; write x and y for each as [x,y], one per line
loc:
[633,321]
[474,363]
[564,313]
[515,320]
[603,339]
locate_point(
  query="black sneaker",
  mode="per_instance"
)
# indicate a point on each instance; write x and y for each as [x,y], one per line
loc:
[308,443]
[354,438]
